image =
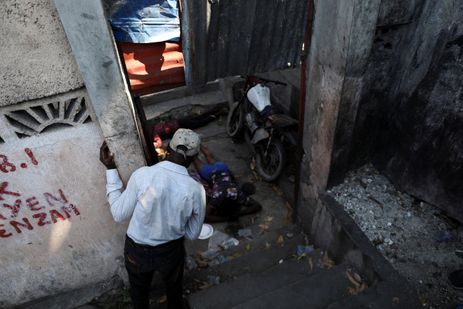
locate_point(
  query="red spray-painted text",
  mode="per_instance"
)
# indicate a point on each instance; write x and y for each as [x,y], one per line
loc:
[49,209]
[6,166]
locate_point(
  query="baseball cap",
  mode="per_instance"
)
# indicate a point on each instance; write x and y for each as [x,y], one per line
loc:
[185,142]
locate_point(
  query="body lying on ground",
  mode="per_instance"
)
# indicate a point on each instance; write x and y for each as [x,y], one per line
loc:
[226,199]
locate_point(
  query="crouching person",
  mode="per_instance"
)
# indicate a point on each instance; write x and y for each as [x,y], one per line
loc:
[226,200]
[164,205]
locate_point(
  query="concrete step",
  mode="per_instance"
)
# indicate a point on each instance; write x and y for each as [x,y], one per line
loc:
[290,284]
[252,256]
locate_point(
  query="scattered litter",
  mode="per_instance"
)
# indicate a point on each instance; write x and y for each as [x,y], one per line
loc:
[266,225]
[356,280]
[252,165]
[304,250]
[231,242]
[245,233]
[234,256]
[203,285]
[263,228]
[444,236]
[190,263]
[213,280]
[201,261]
[277,190]
[281,240]
[289,214]
[219,259]
[289,235]
[280,261]
[310,264]
[248,247]
[162,299]
[216,239]
[268,245]
[210,253]
[326,262]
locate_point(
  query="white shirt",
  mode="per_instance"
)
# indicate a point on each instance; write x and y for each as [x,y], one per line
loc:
[163,201]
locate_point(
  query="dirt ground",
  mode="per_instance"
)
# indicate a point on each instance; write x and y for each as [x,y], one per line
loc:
[415,237]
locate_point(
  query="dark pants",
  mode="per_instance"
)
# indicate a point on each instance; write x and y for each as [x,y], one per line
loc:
[142,261]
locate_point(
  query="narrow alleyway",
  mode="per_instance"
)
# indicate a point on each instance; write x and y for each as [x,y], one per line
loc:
[273,265]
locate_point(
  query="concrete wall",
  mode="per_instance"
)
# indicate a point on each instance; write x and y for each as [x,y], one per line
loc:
[94,48]
[36,58]
[407,118]
[334,69]
[422,149]
[56,231]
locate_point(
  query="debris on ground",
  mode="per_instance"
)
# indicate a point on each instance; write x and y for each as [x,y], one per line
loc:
[304,250]
[162,299]
[280,240]
[356,280]
[326,261]
[229,243]
[415,237]
[217,239]
[210,253]
[265,226]
[213,280]
[190,263]
[245,233]
[310,264]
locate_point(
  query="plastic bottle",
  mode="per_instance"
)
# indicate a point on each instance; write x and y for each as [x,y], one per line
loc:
[231,242]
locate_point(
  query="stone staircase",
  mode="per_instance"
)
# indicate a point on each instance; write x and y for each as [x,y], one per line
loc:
[267,272]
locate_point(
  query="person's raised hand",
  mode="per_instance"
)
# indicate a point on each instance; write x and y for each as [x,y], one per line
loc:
[106,157]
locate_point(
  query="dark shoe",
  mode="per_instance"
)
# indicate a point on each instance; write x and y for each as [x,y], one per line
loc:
[456,279]
[250,207]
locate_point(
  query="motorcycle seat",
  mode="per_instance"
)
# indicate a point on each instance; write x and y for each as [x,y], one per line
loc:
[282,120]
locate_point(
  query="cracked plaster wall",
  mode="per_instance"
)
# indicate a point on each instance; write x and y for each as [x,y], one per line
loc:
[36,57]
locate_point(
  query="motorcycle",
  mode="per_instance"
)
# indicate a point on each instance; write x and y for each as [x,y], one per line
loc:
[264,127]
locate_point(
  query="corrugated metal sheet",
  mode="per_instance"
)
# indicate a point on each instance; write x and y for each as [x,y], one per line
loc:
[153,67]
[244,36]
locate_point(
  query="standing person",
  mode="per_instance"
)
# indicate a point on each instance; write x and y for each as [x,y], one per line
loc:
[164,204]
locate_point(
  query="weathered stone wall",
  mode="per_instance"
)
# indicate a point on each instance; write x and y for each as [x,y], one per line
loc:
[422,151]
[334,73]
[36,58]
[409,115]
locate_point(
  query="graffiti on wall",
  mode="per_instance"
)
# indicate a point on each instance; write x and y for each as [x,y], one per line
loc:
[21,212]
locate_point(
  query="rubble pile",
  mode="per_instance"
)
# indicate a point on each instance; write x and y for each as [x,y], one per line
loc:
[417,238]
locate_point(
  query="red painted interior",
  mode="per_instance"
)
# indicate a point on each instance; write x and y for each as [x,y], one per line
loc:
[153,67]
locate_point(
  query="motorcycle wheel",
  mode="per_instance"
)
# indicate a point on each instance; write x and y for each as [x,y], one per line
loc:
[235,121]
[270,166]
